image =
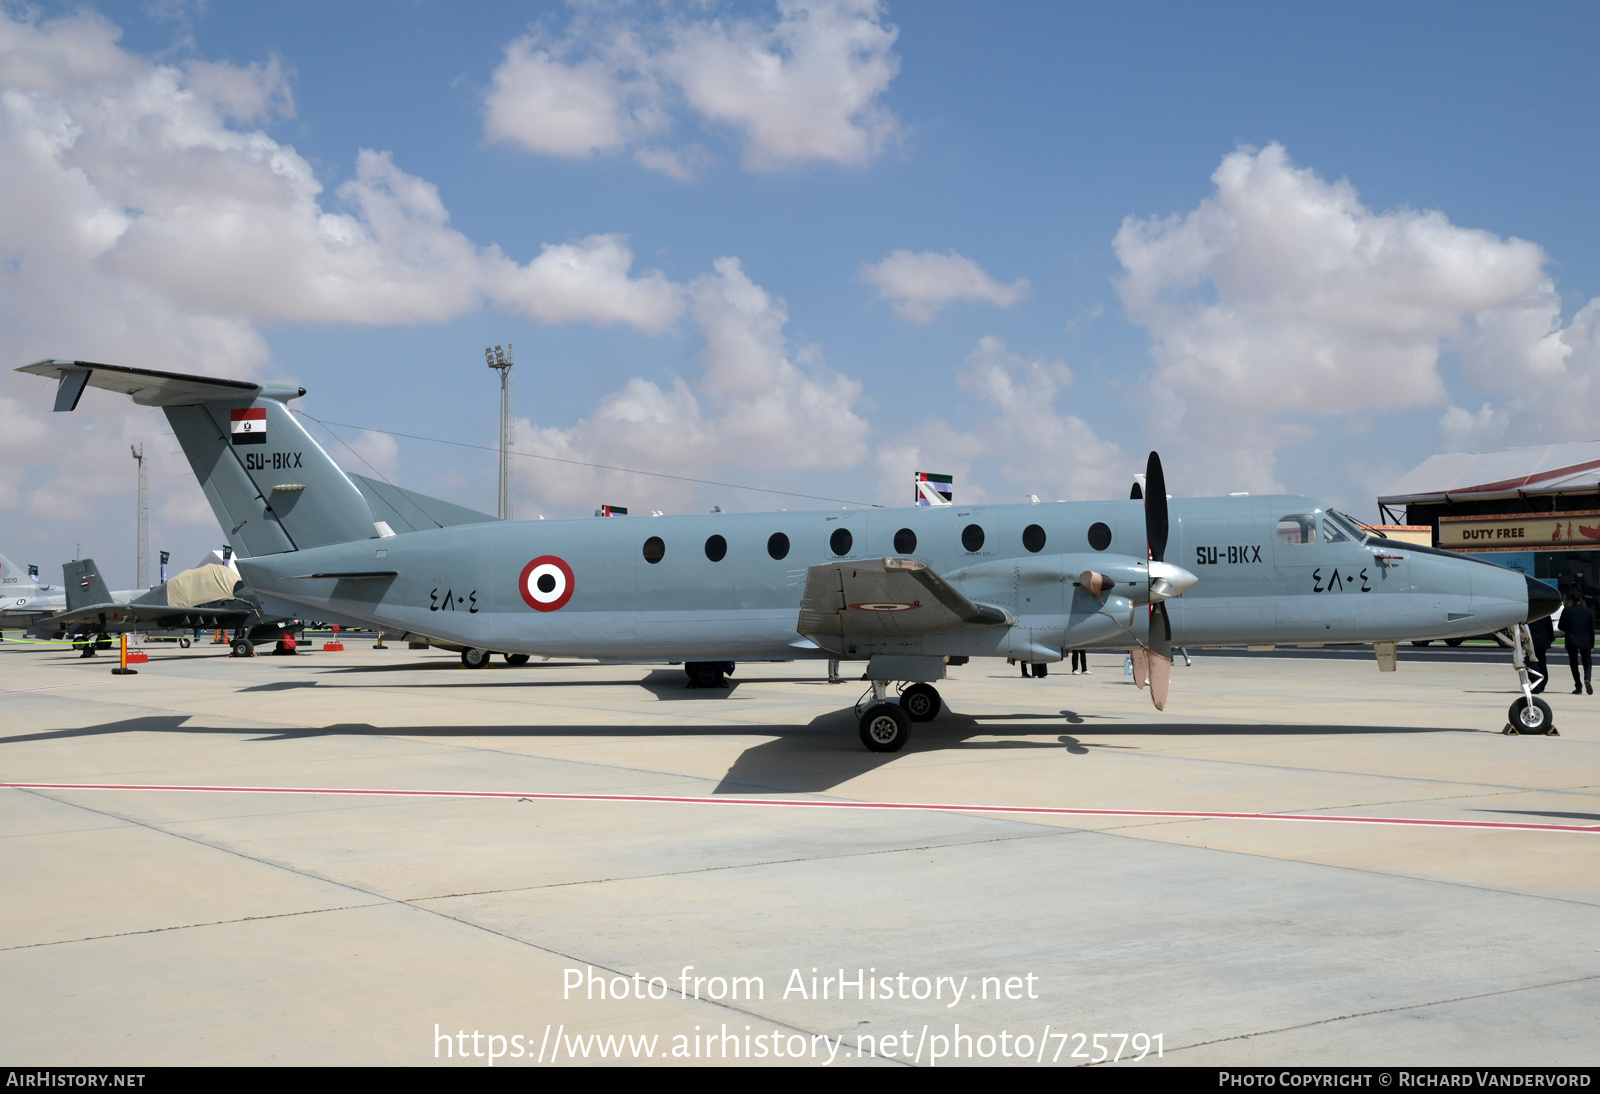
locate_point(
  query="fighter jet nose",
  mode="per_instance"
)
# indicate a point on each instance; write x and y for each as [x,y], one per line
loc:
[1543,599]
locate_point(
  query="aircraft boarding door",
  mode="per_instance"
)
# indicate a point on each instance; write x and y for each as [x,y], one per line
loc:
[1323,576]
[1228,549]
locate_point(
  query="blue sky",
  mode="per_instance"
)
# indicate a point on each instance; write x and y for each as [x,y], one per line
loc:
[813,247]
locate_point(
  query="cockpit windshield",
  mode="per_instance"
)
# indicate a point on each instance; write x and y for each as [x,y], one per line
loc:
[1351,529]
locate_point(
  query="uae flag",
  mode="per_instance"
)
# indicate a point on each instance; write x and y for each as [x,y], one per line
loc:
[250,426]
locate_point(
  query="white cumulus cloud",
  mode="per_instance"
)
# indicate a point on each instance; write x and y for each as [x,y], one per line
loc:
[757,407]
[145,220]
[802,88]
[922,283]
[1282,299]
[1017,429]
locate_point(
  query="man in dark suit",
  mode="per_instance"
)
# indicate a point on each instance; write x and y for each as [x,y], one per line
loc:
[1577,623]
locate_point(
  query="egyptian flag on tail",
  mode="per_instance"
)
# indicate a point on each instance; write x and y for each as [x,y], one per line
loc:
[250,426]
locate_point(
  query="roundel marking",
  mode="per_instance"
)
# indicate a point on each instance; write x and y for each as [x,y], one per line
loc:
[884,606]
[546,583]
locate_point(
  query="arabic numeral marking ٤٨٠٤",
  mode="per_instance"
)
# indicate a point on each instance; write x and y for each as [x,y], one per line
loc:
[450,602]
[1337,582]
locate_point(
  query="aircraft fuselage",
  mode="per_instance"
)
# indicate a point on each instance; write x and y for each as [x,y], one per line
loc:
[728,586]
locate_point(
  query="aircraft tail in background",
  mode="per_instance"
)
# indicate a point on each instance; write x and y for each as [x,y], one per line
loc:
[84,586]
[14,580]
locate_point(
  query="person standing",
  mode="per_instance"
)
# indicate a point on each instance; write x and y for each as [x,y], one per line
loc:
[1577,623]
[1080,662]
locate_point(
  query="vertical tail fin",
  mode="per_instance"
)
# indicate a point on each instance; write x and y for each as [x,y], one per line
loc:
[84,586]
[13,579]
[271,486]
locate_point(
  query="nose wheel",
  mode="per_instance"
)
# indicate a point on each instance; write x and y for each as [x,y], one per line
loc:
[1531,718]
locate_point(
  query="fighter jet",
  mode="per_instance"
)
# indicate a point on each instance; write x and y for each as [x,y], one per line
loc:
[208,597]
[23,601]
[907,591]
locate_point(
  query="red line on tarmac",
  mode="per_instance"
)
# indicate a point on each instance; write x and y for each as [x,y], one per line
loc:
[945,807]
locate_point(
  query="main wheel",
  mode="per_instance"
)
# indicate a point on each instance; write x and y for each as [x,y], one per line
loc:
[516,658]
[474,658]
[706,674]
[921,702]
[1454,642]
[243,647]
[885,728]
[1534,718]
[1423,642]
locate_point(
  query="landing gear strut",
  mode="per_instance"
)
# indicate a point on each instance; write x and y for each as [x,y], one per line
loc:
[1528,715]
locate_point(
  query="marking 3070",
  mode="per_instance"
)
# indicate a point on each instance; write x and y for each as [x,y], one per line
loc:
[1233,554]
[274,461]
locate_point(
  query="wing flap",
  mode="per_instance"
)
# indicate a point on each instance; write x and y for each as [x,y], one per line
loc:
[888,598]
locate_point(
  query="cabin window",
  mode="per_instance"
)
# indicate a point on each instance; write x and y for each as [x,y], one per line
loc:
[1099,536]
[972,538]
[1298,528]
[1033,538]
[654,550]
[716,548]
[905,542]
[778,545]
[840,541]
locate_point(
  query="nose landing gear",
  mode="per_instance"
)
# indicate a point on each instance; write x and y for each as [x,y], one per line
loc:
[1528,715]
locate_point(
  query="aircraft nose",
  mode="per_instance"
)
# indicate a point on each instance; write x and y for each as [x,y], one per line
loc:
[1543,599]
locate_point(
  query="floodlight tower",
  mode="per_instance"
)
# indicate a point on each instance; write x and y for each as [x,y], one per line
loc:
[501,359]
[142,566]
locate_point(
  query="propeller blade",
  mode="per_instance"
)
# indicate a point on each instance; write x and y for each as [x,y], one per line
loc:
[1141,666]
[1155,508]
[1160,677]
[1160,631]
[1136,494]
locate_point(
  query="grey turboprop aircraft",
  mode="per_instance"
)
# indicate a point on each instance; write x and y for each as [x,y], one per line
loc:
[208,597]
[907,591]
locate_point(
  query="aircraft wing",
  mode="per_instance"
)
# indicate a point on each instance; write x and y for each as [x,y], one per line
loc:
[124,616]
[889,597]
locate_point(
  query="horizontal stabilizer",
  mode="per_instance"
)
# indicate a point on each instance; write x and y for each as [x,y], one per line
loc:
[408,511]
[148,387]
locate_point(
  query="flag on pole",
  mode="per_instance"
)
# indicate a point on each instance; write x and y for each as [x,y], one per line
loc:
[611,511]
[934,489]
[249,426]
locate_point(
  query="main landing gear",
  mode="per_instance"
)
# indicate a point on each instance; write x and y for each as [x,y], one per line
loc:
[886,726]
